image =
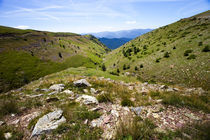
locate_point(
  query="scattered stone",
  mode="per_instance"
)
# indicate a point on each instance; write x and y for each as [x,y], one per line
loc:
[144,90]
[136,110]
[159,100]
[57,87]
[52,93]
[7,135]
[86,99]
[48,122]
[115,113]
[2,123]
[54,99]
[127,73]
[192,116]
[93,91]
[163,87]
[82,83]
[13,115]
[86,121]
[130,87]
[68,92]
[85,90]
[34,96]
[44,90]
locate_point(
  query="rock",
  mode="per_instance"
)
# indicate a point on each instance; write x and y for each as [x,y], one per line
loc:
[115,113]
[130,87]
[192,116]
[85,90]
[144,90]
[52,93]
[93,91]
[48,122]
[13,115]
[7,135]
[34,96]
[159,100]
[44,90]
[57,87]
[54,99]
[127,73]
[68,92]
[170,90]
[86,121]
[86,99]
[2,123]
[82,83]
[163,87]
[136,110]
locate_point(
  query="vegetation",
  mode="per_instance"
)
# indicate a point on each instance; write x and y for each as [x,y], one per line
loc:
[185,37]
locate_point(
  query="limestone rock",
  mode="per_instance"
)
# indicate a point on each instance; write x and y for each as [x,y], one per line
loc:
[82,83]
[7,135]
[136,110]
[57,87]
[86,99]
[48,122]
[93,91]
[68,92]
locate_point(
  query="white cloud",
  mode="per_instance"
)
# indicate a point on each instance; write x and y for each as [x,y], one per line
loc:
[131,22]
[22,27]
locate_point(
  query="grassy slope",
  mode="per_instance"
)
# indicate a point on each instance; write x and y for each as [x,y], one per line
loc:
[26,55]
[175,39]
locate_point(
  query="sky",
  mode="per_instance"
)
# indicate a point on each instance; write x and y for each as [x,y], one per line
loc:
[87,16]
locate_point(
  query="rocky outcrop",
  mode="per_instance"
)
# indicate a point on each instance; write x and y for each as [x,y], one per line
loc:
[82,83]
[57,87]
[48,122]
[86,99]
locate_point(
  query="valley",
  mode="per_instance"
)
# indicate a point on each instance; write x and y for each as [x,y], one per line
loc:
[68,86]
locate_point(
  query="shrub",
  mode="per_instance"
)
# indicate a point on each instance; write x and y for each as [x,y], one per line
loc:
[200,43]
[166,54]
[127,102]
[124,67]
[103,67]
[106,97]
[157,60]
[206,49]
[114,73]
[136,68]
[60,55]
[192,56]
[118,71]
[141,66]
[187,52]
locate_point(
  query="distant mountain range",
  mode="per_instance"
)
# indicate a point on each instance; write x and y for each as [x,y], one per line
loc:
[116,39]
[122,34]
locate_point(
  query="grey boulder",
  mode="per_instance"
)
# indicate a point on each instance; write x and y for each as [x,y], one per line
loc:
[48,122]
[57,87]
[82,83]
[86,99]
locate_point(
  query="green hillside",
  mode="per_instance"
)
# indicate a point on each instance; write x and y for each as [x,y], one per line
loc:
[26,55]
[175,54]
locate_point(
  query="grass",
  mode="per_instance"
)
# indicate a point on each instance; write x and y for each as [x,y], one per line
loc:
[136,129]
[106,97]
[24,59]
[126,102]
[75,127]
[176,99]
[16,134]
[185,36]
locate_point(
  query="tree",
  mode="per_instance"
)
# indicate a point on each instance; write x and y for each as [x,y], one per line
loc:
[124,67]
[60,55]
[118,71]
[103,67]
[136,68]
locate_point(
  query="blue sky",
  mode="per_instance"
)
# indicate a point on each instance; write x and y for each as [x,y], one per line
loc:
[82,16]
